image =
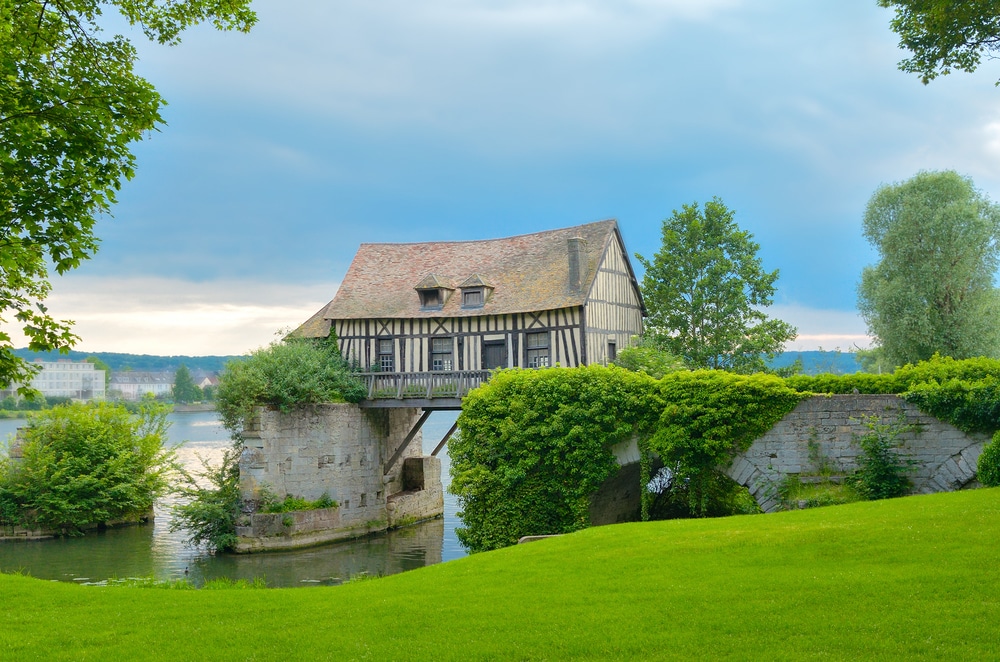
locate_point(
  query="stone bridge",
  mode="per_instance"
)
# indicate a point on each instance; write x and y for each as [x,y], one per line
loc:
[816,441]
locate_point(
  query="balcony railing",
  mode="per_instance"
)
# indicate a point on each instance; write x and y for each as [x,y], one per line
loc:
[422,385]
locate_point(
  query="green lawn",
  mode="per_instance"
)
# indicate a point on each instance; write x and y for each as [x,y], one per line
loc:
[909,578]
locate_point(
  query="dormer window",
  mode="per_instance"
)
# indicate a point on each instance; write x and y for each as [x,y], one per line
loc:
[433,292]
[475,291]
[472,298]
[431,299]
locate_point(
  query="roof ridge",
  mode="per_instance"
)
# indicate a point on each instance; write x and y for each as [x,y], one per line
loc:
[481,241]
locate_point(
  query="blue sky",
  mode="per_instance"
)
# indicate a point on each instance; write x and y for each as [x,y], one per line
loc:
[335,123]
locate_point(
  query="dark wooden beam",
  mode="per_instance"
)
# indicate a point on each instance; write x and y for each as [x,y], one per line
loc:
[444,441]
[406,442]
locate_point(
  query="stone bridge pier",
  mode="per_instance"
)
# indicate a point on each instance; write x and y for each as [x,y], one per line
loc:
[367,460]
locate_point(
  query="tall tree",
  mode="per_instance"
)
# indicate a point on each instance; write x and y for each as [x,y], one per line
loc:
[71,105]
[945,34]
[938,240]
[185,390]
[705,289]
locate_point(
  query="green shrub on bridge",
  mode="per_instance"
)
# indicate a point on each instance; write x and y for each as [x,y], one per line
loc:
[535,444]
[708,416]
[285,374]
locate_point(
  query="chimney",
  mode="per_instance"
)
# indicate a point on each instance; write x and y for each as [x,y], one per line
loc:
[575,246]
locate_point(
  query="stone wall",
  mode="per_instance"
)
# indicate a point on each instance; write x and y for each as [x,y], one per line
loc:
[818,437]
[340,450]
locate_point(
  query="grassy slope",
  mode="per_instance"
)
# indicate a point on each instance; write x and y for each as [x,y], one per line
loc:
[914,577]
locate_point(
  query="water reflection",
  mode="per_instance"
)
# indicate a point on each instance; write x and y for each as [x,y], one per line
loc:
[152,550]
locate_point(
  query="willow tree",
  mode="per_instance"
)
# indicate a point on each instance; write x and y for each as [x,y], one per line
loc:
[71,106]
[705,290]
[932,290]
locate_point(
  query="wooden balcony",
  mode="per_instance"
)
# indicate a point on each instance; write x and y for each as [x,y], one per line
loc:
[430,390]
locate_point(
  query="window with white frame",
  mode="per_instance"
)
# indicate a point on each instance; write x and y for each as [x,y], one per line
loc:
[537,345]
[385,355]
[441,354]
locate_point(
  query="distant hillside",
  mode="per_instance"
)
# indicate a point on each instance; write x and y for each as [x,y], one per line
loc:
[144,362]
[817,362]
[813,362]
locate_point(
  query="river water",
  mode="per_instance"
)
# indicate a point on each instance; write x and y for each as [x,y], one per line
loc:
[151,550]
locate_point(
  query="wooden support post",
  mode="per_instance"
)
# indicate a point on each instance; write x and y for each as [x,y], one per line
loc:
[406,442]
[444,441]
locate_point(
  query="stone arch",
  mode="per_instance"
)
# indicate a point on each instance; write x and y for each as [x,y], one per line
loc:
[957,472]
[818,435]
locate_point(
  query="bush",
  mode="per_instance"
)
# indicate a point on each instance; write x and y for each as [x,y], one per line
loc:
[270,503]
[86,464]
[988,466]
[535,444]
[971,406]
[707,416]
[881,469]
[295,371]
[209,514]
[648,358]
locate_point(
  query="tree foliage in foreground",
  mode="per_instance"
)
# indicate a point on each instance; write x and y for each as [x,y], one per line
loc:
[943,35]
[86,464]
[705,289]
[932,290]
[71,106]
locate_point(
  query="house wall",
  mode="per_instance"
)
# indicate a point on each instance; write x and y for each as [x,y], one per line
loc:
[412,339]
[613,309]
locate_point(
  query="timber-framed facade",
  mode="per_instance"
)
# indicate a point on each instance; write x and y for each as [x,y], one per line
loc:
[566,297]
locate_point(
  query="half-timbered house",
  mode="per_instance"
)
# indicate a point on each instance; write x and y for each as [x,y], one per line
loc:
[412,313]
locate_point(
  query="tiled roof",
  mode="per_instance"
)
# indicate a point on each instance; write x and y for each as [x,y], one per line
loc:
[527,273]
[141,377]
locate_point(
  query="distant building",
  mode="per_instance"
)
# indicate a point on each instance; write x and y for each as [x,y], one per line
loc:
[133,384]
[203,378]
[78,380]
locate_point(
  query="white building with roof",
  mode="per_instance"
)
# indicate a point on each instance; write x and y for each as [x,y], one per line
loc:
[134,384]
[63,378]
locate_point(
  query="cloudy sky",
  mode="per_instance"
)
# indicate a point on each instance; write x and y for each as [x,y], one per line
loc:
[336,123]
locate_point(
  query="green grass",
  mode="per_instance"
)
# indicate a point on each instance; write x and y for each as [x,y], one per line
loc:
[913,578]
[796,494]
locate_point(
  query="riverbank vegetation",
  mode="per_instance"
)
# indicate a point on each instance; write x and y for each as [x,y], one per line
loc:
[897,579]
[78,465]
[11,407]
[534,445]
